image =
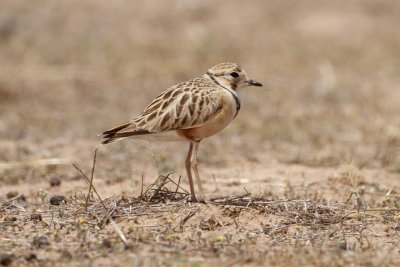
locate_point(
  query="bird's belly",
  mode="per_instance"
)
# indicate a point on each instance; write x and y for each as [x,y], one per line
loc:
[162,136]
[212,127]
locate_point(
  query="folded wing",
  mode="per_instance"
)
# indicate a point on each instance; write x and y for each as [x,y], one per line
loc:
[179,107]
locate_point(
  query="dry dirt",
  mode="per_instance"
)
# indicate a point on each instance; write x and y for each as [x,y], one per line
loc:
[307,175]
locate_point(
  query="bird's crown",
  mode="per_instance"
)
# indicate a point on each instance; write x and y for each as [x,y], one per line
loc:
[222,68]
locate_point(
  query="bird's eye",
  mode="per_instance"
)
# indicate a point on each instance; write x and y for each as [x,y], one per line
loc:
[234,74]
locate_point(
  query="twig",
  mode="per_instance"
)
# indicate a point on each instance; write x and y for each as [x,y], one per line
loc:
[171,193]
[119,232]
[230,198]
[177,186]
[187,217]
[94,188]
[250,201]
[91,179]
[219,221]
[109,214]
[141,190]
[164,178]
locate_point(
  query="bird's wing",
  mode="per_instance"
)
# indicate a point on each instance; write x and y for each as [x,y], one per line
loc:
[187,105]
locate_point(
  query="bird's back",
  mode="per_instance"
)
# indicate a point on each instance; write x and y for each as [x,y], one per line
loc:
[189,104]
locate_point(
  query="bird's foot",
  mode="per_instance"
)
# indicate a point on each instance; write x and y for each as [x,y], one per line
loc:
[203,199]
[192,198]
[199,199]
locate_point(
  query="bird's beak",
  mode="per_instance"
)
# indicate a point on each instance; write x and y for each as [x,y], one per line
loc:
[253,83]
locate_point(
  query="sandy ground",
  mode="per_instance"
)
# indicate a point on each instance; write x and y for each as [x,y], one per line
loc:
[307,174]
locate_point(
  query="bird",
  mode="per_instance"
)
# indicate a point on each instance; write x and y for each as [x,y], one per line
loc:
[192,111]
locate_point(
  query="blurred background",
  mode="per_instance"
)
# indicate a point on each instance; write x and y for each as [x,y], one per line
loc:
[331,70]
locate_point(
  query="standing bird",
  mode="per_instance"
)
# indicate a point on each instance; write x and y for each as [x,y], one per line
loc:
[192,111]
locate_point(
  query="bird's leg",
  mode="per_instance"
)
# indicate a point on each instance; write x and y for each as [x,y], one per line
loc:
[188,166]
[196,172]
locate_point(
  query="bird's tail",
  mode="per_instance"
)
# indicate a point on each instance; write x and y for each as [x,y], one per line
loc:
[120,132]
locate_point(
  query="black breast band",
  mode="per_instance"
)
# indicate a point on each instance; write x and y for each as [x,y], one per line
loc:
[233,95]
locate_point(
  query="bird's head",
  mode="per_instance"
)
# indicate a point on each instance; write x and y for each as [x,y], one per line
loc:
[231,75]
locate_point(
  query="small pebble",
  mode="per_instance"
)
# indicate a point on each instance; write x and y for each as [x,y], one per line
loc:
[342,245]
[21,198]
[6,259]
[12,194]
[16,196]
[205,225]
[36,217]
[10,219]
[57,200]
[106,243]
[55,181]
[31,257]
[40,241]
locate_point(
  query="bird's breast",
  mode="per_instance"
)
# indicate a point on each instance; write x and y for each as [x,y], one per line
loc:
[222,119]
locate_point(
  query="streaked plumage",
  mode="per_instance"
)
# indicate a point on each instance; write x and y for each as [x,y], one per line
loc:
[191,110]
